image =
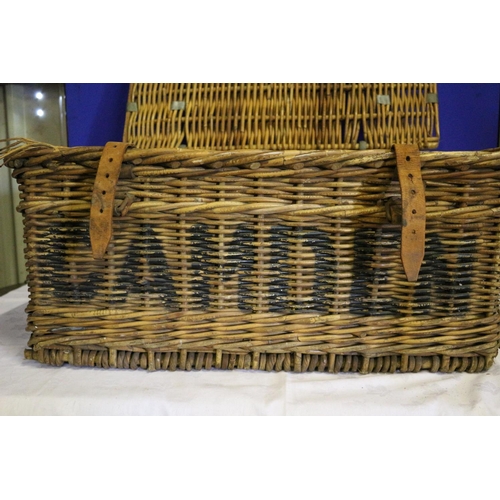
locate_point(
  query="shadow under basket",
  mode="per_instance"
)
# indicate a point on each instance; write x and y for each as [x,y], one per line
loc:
[180,259]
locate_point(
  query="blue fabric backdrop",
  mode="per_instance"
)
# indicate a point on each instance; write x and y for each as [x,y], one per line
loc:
[469,114]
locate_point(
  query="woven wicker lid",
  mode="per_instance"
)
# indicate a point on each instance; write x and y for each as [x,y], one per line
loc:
[282,115]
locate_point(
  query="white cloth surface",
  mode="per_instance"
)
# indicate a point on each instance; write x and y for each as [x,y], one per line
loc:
[30,388]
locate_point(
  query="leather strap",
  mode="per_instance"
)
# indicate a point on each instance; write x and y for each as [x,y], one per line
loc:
[103,197]
[413,208]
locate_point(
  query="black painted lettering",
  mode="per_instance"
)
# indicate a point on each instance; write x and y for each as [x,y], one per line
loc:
[146,271]
[368,296]
[64,244]
[201,246]
[241,260]
[446,278]
[324,270]
[279,269]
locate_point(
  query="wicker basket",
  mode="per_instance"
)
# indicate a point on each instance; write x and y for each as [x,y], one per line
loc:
[369,261]
[281,116]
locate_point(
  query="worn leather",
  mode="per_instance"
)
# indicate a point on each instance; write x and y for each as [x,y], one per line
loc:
[103,197]
[413,209]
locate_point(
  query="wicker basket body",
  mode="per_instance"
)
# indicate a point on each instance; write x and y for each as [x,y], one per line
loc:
[270,260]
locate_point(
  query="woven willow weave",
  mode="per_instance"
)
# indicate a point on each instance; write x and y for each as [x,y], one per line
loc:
[266,260]
[282,115]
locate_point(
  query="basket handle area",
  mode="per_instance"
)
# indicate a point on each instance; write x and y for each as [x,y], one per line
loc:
[413,208]
[103,197]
